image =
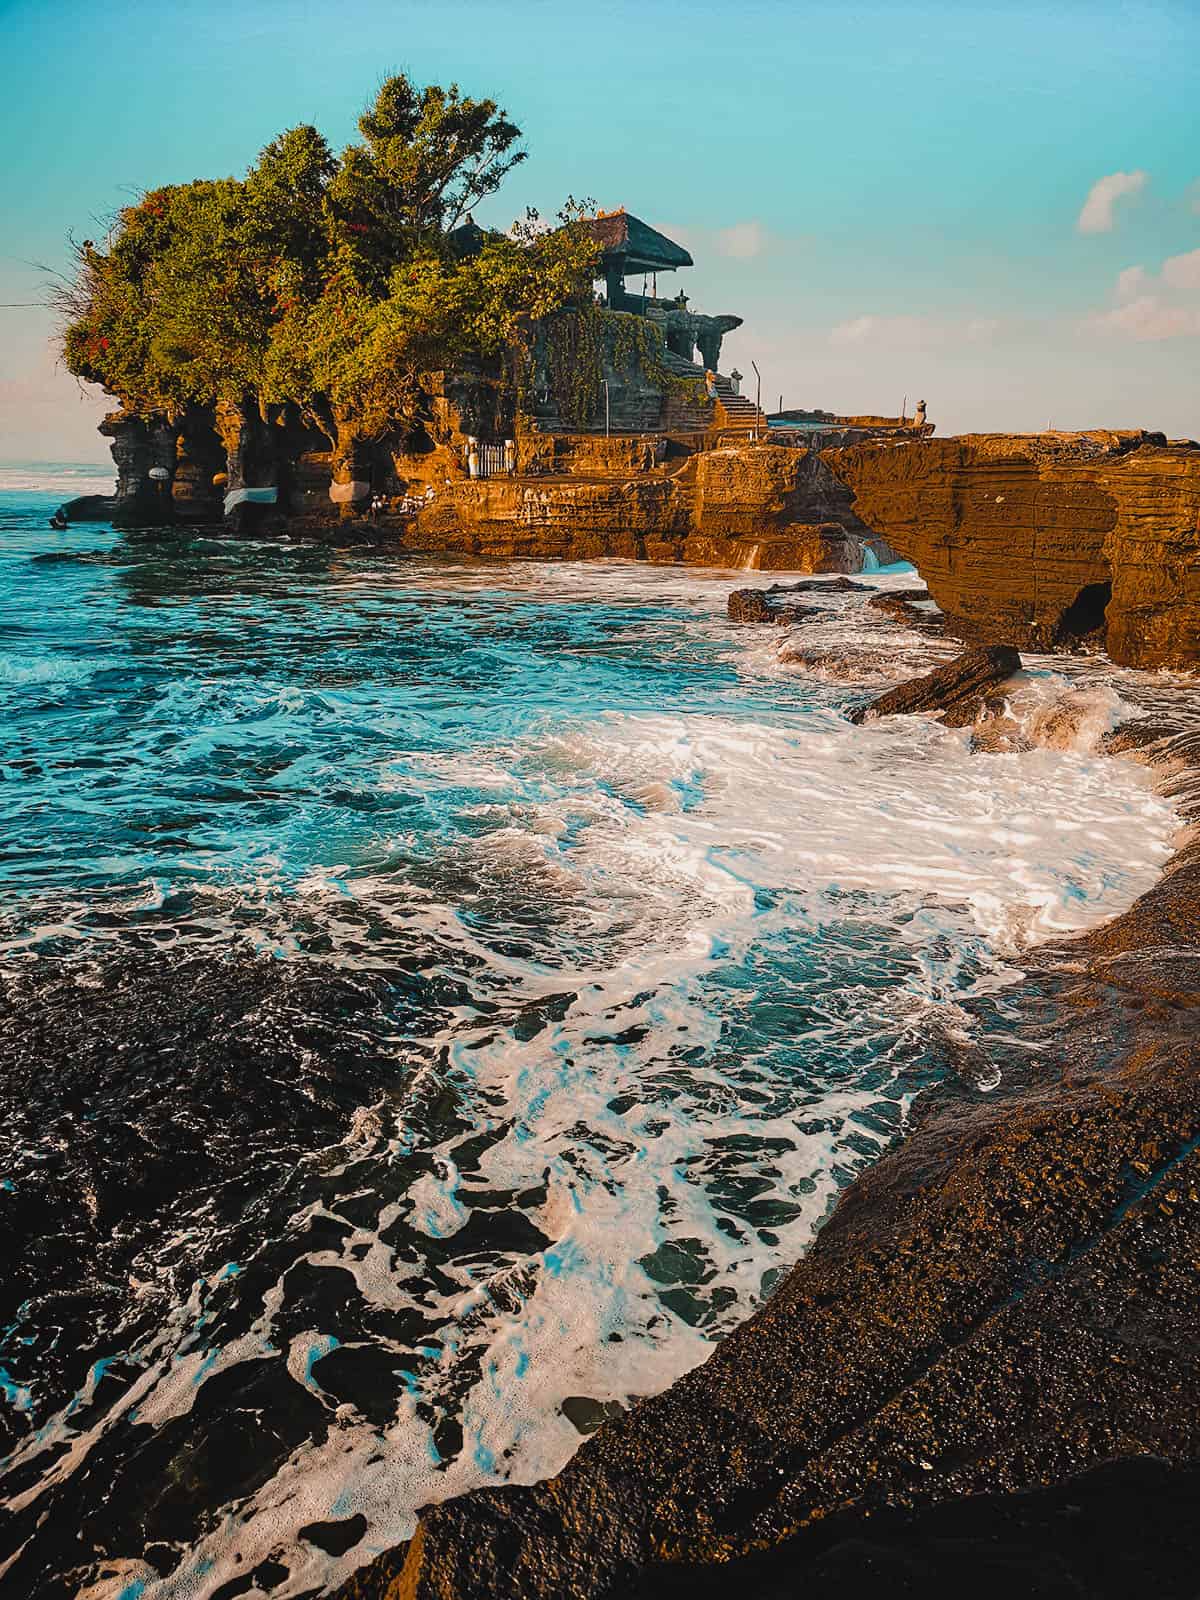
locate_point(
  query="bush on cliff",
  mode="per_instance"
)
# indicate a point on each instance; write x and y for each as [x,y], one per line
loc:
[331,282]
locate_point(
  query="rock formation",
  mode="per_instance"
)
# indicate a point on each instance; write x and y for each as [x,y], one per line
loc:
[959,690]
[765,605]
[1050,540]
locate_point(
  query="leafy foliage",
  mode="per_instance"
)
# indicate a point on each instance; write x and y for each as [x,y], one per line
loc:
[331,282]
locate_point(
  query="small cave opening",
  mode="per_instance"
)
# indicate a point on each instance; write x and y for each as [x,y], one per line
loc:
[1083,620]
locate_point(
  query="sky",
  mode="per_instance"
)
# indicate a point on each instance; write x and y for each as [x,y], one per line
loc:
[994,207]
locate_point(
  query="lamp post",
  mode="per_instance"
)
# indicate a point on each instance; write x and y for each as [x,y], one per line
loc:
[757,396]
[607,429]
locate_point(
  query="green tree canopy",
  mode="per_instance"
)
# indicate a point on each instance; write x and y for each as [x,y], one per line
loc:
[332,282]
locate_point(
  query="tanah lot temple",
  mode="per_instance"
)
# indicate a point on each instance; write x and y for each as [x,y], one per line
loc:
[689,357]
[623,388]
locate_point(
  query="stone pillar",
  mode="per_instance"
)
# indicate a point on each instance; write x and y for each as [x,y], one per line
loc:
[708,343]
[199,458]
[138,445]
[350,488]
[252,489]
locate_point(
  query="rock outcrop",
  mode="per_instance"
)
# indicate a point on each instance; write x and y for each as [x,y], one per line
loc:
[1008,1299]
[959,690]
[1048,540]
[143,452]
[757,507]
[1052,541]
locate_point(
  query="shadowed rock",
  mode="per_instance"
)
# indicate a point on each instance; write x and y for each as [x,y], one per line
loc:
[89,508]
[959,690]
[761,605]
[832,585]
[893,601]
[1125,1528]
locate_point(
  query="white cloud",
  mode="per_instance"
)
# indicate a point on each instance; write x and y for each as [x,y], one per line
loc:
[907,333]
[1132,283]
[743,241]
[1152,306]
[1097,214]
[1183,272]
[1148,318]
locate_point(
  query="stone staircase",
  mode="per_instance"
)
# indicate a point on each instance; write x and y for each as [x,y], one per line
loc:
[741,415]
[735,413]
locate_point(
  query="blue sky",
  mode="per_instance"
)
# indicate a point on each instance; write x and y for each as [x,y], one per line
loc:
[889,194]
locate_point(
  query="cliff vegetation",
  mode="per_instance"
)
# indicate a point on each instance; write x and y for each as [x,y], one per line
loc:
[327,281]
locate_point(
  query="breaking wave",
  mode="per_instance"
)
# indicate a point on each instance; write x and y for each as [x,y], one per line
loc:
[442,1000]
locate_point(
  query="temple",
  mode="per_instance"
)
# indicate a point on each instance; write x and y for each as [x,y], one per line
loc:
[630,246]
[621,384]
[663,376]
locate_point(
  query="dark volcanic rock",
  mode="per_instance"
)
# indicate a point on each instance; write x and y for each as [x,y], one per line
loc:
[892,601]
[959,689]
[831,585]
[902,606]
[1126,1528]
[132,1091]
[762,605]
[750,605]
[90,508]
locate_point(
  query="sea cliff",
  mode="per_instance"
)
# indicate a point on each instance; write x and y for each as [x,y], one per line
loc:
[1051,541]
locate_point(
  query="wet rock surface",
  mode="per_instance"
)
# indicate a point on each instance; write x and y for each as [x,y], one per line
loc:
[1126,1528]
[959,690]
[775,604]
[1006,1301]
[764,605]
[134,1088]
[154,1110]
[904,605]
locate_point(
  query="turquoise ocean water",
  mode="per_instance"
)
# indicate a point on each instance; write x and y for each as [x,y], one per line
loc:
[672,945]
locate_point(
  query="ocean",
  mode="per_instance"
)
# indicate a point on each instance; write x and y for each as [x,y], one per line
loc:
[442,998]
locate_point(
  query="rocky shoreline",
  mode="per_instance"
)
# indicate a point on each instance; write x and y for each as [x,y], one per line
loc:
[1005,1302]
[1041,541]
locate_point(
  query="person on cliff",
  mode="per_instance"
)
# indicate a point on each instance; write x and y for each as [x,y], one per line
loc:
[710,384]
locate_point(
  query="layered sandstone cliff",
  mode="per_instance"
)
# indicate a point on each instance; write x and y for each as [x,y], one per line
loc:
[1046,540]
[757,507]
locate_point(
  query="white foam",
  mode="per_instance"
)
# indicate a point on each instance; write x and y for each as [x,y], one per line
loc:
[648,859]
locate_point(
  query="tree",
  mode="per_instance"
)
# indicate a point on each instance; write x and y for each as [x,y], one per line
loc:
[329,282]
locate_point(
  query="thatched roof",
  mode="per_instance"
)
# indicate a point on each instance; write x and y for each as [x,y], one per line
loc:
[634,245]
